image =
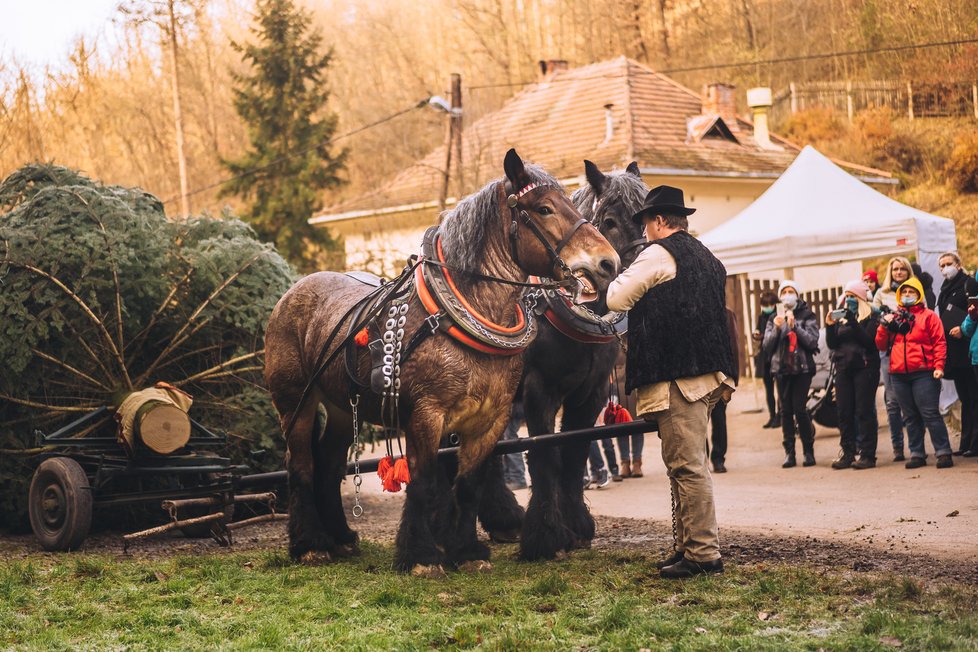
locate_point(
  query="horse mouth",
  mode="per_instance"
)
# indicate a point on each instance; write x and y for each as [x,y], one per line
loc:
[584,291]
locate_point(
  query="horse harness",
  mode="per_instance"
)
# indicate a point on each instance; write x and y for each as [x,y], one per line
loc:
[578,322]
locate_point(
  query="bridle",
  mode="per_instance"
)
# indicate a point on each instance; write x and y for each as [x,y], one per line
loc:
[518,214]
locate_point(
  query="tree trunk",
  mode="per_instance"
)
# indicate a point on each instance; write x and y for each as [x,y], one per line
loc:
[177,115]
[660,6]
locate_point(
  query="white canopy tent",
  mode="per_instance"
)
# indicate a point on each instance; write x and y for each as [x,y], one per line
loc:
[816,213]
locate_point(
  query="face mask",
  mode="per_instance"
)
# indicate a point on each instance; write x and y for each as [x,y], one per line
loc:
[908,301]
[767,310]
[949,271]
[852,305]
[790,301]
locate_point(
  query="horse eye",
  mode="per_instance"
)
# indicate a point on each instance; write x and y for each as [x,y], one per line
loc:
[610,223]
[545,210]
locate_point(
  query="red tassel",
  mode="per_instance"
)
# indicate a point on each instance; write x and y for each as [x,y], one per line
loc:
[792,341]
[401,471]
[362,337]
[610,413]
[623,416]
[393,474]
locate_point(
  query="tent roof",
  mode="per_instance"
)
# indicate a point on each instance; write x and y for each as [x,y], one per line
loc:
[817,213]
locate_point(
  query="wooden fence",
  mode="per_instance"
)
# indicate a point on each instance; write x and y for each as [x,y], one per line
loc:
[744,298]
[915,99]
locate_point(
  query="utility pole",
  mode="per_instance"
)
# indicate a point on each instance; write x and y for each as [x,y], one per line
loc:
[453,140]
[177,114]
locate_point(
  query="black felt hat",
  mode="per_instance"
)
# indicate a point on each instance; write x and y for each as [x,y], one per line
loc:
[663,200]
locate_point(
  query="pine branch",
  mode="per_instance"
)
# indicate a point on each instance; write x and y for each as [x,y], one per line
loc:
[46,406]
[85,309]
[69,368]
[141,336]
[179,338]
[220,367]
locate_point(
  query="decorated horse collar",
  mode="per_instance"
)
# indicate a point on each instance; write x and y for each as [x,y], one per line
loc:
[452,314]
[578,322]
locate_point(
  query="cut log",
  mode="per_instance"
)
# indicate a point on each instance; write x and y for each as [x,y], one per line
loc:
[161,427]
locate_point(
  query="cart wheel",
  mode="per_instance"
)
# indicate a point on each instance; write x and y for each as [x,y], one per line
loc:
[203,530]
[60,504]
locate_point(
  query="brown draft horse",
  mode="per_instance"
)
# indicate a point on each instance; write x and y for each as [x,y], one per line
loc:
[446,387]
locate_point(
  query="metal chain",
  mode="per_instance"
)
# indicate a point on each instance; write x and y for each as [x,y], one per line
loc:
[357,478]
[675,534]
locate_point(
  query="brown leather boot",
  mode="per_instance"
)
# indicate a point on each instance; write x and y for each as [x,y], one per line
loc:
[636,468]
[626,469]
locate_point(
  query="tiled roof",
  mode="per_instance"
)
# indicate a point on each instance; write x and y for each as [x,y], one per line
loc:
[562,120]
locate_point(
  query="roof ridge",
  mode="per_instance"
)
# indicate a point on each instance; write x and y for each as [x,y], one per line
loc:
[666,78]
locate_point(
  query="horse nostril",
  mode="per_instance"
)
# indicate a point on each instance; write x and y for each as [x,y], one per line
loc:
[608,267]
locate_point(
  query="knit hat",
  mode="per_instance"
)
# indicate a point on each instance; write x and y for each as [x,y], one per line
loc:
[913,282]
[788,284]
[858,288]
[870,274]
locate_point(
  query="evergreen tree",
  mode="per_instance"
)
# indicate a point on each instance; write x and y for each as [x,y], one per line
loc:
[282,99]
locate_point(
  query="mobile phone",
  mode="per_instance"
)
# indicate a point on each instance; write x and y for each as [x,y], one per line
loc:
[838,314]
[973,301]
[781,310]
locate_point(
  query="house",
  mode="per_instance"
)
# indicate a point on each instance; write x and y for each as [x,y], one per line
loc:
[611,113]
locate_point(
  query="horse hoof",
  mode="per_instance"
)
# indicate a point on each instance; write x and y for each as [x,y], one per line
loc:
[347,550]
[428,572]
[315,558]
[505,536]
[476,566]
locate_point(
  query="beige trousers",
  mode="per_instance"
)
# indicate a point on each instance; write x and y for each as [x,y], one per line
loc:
[683,431]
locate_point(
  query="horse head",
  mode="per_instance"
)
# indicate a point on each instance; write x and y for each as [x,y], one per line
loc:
[547,235]
[608,201]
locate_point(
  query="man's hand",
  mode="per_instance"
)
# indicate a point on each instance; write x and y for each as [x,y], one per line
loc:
[888,317]
[790,317]
[955,332]
[973,310]
[756,335]
[829,319]
[938,373]
[779,321]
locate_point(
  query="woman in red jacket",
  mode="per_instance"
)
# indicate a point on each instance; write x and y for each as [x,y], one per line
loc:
[914,338]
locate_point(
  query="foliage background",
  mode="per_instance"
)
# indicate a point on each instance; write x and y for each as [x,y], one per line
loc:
[141,299]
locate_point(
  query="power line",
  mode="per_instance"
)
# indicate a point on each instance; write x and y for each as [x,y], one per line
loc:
[286,157]
[757,62]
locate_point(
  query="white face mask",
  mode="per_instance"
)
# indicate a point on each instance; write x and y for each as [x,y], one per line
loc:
[949,271]
[790,300]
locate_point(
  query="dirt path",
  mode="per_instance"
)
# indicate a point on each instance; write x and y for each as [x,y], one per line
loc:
[889,508]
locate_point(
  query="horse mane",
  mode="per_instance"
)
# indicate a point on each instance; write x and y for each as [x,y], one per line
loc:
[464,229]
[620,186]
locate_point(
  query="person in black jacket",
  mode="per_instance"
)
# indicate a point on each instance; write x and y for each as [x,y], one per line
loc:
[952,305]
[852,339]
[928,282]
[792,341]
[762,360]
[718,418]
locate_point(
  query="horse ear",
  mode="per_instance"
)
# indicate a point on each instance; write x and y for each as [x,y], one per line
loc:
[633,169]
[595,177]
[515,171]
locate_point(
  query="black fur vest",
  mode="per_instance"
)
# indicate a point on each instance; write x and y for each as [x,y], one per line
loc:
[679,328]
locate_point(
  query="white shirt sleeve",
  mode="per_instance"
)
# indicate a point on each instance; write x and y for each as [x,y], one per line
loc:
[653,266]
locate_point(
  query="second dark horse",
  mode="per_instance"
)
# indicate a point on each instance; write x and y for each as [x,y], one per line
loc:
[564,373]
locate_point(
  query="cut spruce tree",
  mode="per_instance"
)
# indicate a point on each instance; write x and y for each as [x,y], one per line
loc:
[102,296]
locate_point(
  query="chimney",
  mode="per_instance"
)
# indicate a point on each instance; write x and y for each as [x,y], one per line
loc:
[759,100]
[550,67]
[719,99]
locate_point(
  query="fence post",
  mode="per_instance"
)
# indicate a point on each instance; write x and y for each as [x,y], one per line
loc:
[974,99]
[794,98]
[910,100]
[849,99]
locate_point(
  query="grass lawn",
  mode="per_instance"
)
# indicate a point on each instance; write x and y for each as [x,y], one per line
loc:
[593,600]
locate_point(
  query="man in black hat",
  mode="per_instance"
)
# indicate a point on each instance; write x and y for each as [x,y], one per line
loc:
[680,362]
